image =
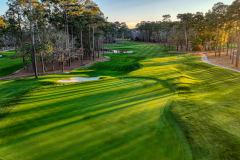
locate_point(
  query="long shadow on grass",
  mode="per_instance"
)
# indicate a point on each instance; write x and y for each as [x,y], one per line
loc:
[113,142]
[21,87]
[66,113]
[50,118]
[69,113]
[74,89]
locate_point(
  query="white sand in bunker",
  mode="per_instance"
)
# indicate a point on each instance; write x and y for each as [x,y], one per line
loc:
[118,51]
[122,51]
[79,79]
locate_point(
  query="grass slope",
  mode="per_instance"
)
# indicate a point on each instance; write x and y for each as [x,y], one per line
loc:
[170,106]
[8,65]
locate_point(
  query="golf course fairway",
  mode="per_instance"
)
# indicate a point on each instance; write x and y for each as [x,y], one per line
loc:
[9,64]
[167,106]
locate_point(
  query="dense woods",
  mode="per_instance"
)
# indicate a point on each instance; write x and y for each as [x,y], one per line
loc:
[217,30]
[57,31]
[61,31]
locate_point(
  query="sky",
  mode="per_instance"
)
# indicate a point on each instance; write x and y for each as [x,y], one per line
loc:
[135,11]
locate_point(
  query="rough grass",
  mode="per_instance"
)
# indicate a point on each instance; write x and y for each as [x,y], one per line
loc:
[170,106]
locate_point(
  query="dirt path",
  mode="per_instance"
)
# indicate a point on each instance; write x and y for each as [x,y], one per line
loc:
[209,57]
[223,60]
[205,59]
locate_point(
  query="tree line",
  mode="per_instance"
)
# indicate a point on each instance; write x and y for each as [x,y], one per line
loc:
[212,30]
[57,31]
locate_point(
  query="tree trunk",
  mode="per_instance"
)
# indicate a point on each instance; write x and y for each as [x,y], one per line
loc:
[210,43]
[123,38]
[63,66]
[238,51]
[68,48]
[169,44]
[220,49]
[27,65]
[39,39]
[231,46]
[45,66]
[72,32]
[19,25]
[228,42]
[235,38]
[107,38]
[216,38]
[82,58]
[52,65]
[41,57]
[148,36]
[93,43]
[5,42]
[24,61]
[90,42]
[103,47]
[98,49]
[186,37]
[65,28]
[165,45]
[34,64]
[81,36]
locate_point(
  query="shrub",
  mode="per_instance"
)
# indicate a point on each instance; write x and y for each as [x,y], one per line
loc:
[137,39]
[197,48]
[196,41]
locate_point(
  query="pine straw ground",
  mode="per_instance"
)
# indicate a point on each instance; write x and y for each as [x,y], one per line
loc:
[12,68]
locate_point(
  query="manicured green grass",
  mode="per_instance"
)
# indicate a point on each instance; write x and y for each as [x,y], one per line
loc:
[169,106]
[9,65]
[98,120]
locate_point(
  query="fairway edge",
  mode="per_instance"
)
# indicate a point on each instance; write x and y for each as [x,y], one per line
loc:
[187,149]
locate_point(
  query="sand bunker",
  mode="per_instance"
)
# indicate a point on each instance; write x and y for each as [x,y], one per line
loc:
[122,51]
[0,56]
[79,79]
